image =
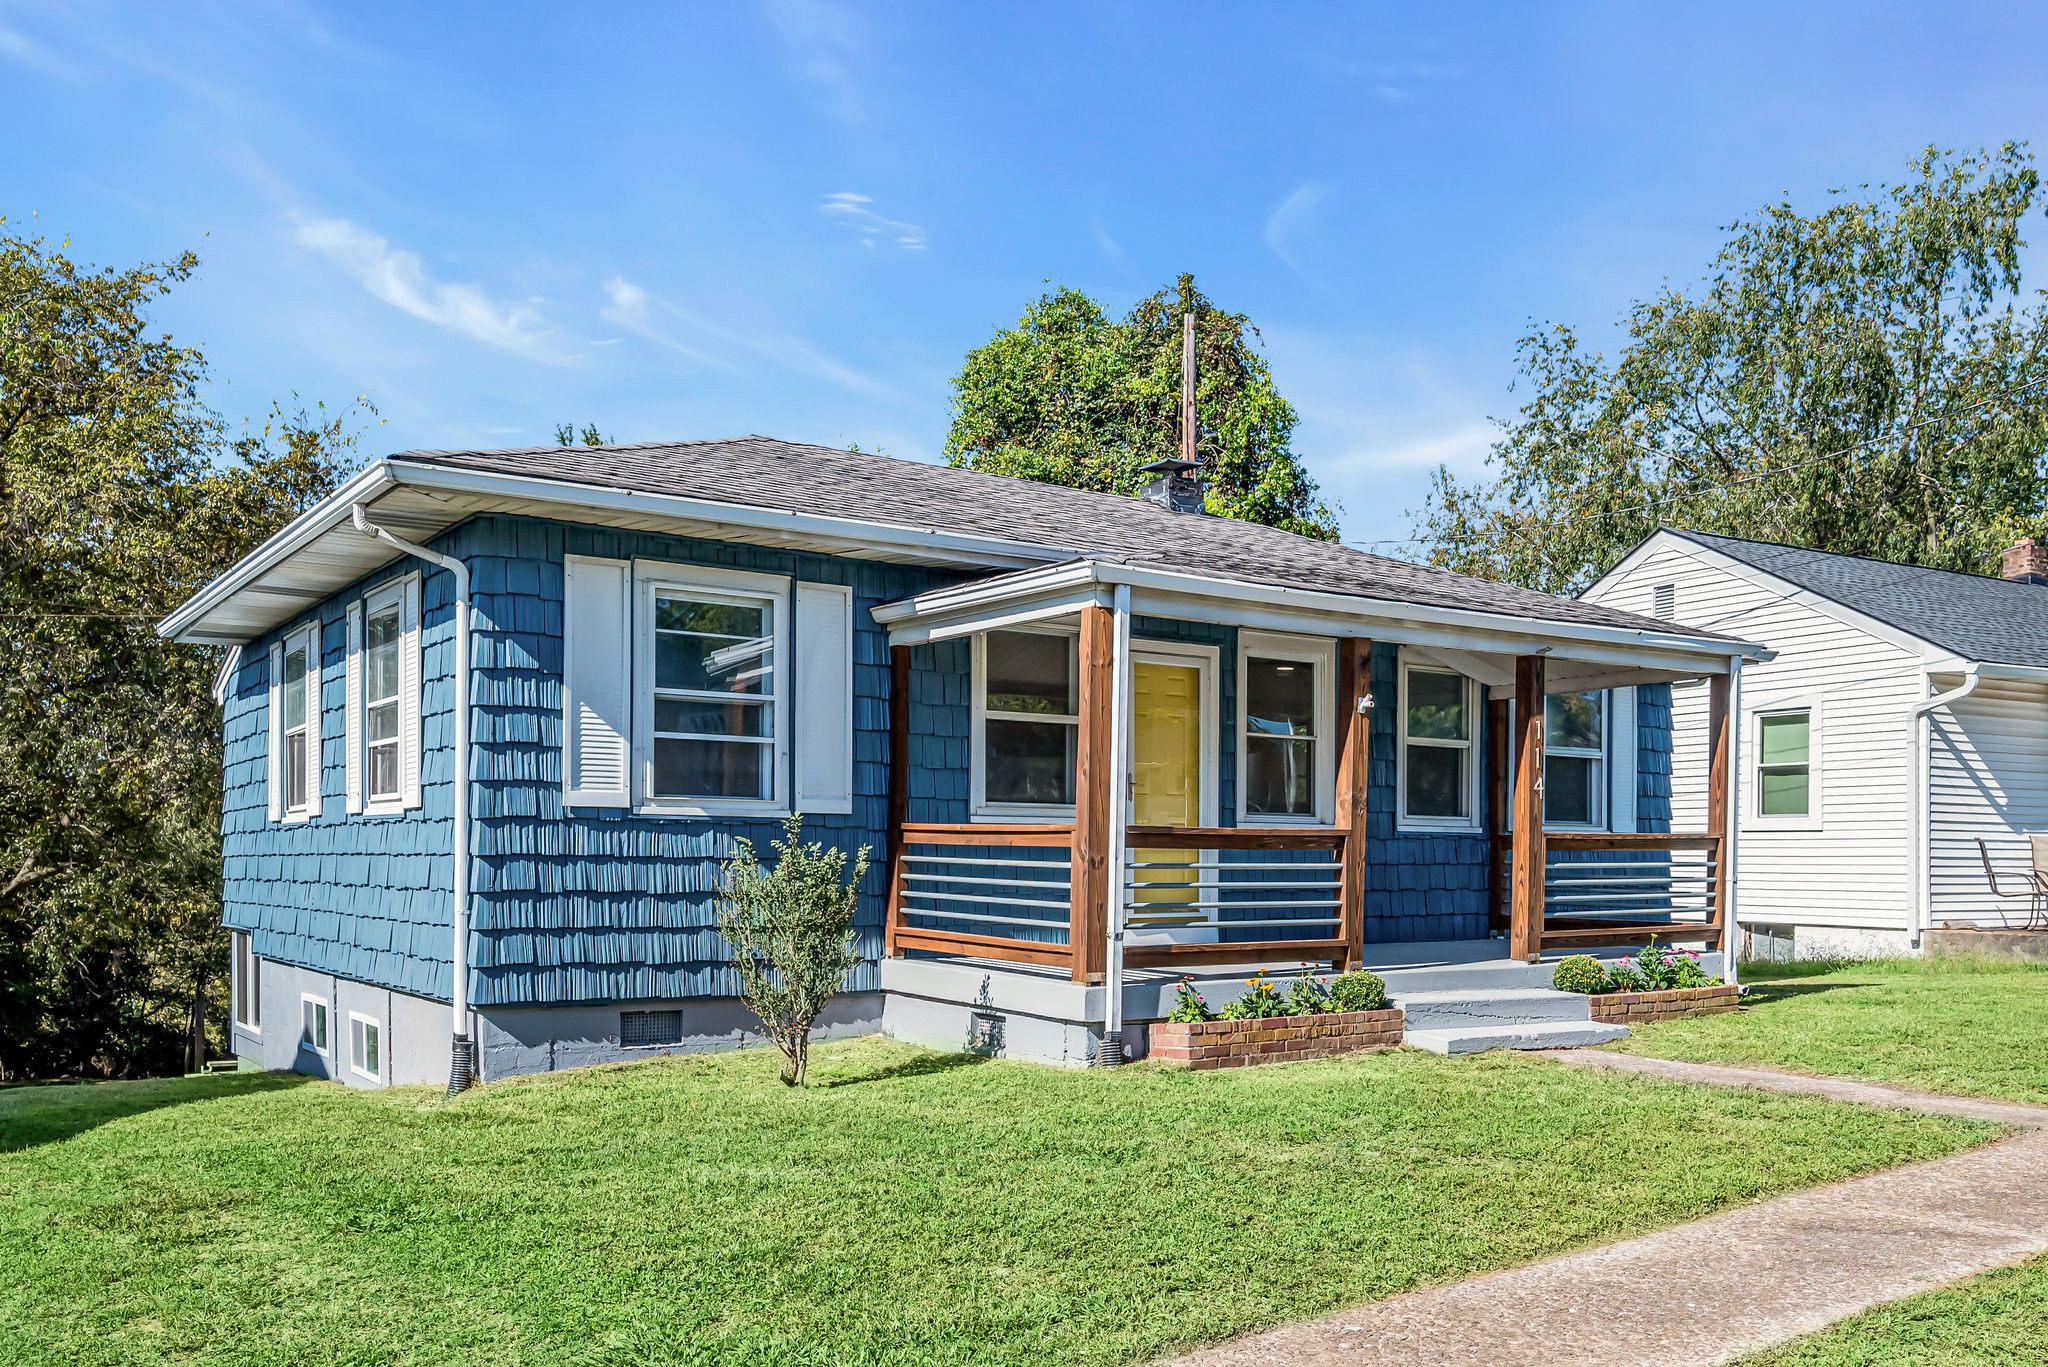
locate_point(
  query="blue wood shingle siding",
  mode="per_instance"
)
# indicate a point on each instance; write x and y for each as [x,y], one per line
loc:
[590,905]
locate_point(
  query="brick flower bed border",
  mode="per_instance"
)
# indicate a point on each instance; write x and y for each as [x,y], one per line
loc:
[1641,1008]
[1276,1039]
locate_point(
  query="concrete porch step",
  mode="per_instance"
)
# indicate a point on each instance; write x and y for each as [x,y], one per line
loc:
[1508,1006]
[1477,1039]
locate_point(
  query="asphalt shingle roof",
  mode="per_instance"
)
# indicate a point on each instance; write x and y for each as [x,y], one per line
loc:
[793,477]
[1992,621]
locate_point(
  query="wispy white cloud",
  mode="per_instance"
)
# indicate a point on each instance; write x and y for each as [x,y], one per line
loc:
[856,213]
[1105,242]
[1463,447]
[825,46]
[400,279]
[1291,220]
[716,344]
[18,47]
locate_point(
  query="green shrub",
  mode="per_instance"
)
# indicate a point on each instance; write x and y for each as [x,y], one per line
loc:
[791,933]
[1189,1006]
[1581,973]
[1357,991]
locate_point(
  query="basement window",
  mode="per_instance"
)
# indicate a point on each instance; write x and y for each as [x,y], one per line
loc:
[365,1046]
[313,1024]
[650,1029]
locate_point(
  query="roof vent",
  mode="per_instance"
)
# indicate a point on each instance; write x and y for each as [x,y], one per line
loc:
[2026,562]
[1178,488]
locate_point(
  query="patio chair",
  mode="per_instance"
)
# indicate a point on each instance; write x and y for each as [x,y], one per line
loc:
[2036,889]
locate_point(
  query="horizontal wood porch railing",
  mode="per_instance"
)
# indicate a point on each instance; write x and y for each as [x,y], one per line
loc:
[1236,910]
[1623,888]
[984,892]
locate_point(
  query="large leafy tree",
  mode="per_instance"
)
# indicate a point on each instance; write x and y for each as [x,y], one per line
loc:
[1871,378]
[119,494]
[1071,396]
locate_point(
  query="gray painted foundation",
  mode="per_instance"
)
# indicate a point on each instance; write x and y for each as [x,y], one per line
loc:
[544,1039]
[413,1031]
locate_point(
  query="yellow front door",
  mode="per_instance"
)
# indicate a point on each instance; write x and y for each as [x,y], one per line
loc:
[1166,785]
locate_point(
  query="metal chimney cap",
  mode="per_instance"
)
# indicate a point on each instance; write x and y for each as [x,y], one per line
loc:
[1170,465]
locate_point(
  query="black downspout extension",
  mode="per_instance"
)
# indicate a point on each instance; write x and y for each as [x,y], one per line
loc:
[461,1065]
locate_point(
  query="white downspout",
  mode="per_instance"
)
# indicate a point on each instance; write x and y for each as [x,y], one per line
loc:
[462,1050]
[1922,733]
[1731,822]
[1112,1051]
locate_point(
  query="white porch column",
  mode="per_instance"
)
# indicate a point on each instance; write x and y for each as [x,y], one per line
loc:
[1112,1052]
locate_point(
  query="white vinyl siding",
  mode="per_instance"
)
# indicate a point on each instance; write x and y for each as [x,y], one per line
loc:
[1855,870]
[1987,778]
[824,698]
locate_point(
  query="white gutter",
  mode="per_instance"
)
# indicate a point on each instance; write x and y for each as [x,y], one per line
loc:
[1921,730]
[1731,823]
[462,1051]
[1112,1052]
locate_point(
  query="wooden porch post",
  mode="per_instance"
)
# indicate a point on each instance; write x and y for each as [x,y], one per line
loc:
[1525,906]
[1354,762]
[899,788]
[1498,726]
[1087,931]
[1720,742]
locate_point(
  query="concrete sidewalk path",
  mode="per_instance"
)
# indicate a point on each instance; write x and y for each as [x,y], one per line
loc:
[1719,1287]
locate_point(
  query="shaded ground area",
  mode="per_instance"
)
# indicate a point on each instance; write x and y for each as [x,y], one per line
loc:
[2000,1318]
[1967,1026]
[693,1210]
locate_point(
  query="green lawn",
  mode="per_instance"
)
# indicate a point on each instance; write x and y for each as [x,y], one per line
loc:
[1999,1318]
[922,1208]
[1967,1026]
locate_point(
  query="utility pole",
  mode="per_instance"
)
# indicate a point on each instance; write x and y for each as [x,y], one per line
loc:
[1187,387]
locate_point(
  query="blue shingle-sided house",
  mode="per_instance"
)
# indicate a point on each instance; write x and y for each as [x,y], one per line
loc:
[493,720]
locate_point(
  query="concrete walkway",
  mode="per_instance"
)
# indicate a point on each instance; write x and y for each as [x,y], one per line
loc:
[1719,1287]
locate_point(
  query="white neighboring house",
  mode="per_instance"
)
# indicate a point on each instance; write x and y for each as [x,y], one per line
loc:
[1902,718]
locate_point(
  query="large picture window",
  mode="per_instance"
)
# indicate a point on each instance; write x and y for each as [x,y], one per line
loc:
[1284,728]
[1437,732]
[1027,714]
[1574,784]
[714,695]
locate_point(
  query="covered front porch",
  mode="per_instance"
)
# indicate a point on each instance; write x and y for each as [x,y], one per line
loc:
[1170,775]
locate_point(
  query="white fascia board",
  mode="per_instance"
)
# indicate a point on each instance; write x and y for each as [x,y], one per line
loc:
[985,593]
[854,533]
[301,531]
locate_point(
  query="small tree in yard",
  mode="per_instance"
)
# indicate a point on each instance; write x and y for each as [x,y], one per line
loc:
[791,932]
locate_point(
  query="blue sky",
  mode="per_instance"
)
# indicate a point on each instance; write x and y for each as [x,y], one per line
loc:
[795,216]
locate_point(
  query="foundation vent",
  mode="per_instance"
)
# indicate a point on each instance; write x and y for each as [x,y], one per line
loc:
[650,1029]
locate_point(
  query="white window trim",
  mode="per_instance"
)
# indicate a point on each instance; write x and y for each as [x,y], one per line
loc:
[979,807]
[324,1006]
[1603,779]
[388,597]
[1599,756]
[651,576]
[1474,769]
[1754,742]
[353,1066]
[309,634]
[247,982]
[1322,653]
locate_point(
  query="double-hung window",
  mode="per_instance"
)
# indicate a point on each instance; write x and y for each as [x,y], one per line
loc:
[1574,781]
[1285,725]
[1437,779]
[1027,722]
[382,716]
[296,713]
[714,731]
[1785,764]
[383,635]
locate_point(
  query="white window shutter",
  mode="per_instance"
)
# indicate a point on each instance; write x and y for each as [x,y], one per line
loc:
[352,711]
[597,682]
[273,779]
[409,703]
[313,718]
[1621,759]
[824,698]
